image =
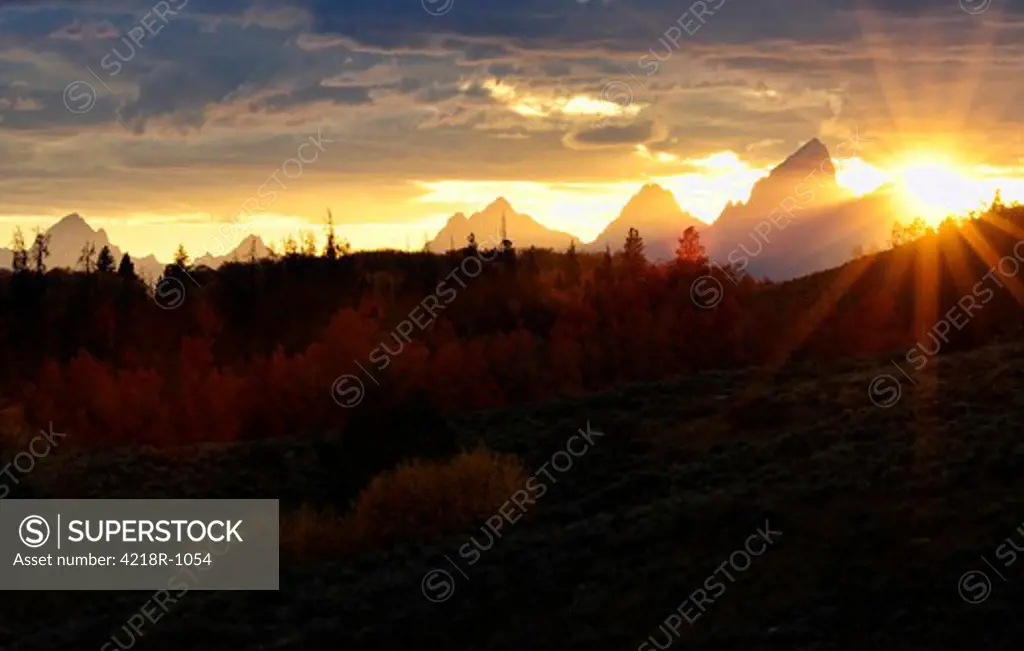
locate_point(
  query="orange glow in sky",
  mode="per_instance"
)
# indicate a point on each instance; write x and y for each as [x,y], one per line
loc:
[933,184]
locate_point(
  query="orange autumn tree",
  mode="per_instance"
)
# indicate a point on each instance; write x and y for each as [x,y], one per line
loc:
[690,251]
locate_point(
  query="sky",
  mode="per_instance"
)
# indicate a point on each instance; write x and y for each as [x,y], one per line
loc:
[162,121]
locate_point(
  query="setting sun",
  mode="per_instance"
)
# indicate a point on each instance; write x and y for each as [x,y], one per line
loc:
[936,186]
[932,184]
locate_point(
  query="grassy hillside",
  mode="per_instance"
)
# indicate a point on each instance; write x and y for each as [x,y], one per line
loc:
[881,512]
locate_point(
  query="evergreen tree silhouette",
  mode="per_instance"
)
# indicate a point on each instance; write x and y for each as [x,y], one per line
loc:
[20,254]
[633,250]
[40,251]
[126,269]
[85,258]
[331,248]
[181,258]
[105,261]
[572,266]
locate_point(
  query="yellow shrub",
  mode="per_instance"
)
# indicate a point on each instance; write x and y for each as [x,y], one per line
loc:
[417,501]
[308,533]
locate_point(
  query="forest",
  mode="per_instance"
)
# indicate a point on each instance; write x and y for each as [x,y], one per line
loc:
[255,350]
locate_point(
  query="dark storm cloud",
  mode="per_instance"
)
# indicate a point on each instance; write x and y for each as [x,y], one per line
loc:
[226,73]
[216,49]
[628,135]
[615,26]
[334,95]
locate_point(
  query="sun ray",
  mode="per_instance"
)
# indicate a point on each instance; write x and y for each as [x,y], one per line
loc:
[991,257]
[803,327]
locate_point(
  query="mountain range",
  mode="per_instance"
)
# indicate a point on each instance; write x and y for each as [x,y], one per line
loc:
[656,214]
[67,239]
[797,220]
[252,247]
[489,226]
[72,233]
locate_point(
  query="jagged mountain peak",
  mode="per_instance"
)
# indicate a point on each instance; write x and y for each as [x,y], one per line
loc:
[72,223]
[501,203]
[486,225]
[250,245]
[251,239]
[805,179]
[654,211]
[69,219]
[812,155]
[652,200]
[498,208]
[652,189]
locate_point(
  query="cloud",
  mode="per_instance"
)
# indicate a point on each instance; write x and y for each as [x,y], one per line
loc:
[316,42]
[630,135]
[490,90]
[274,17]
[350,94]
[84,31]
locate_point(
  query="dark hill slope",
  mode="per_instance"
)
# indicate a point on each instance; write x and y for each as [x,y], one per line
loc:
[882,511]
